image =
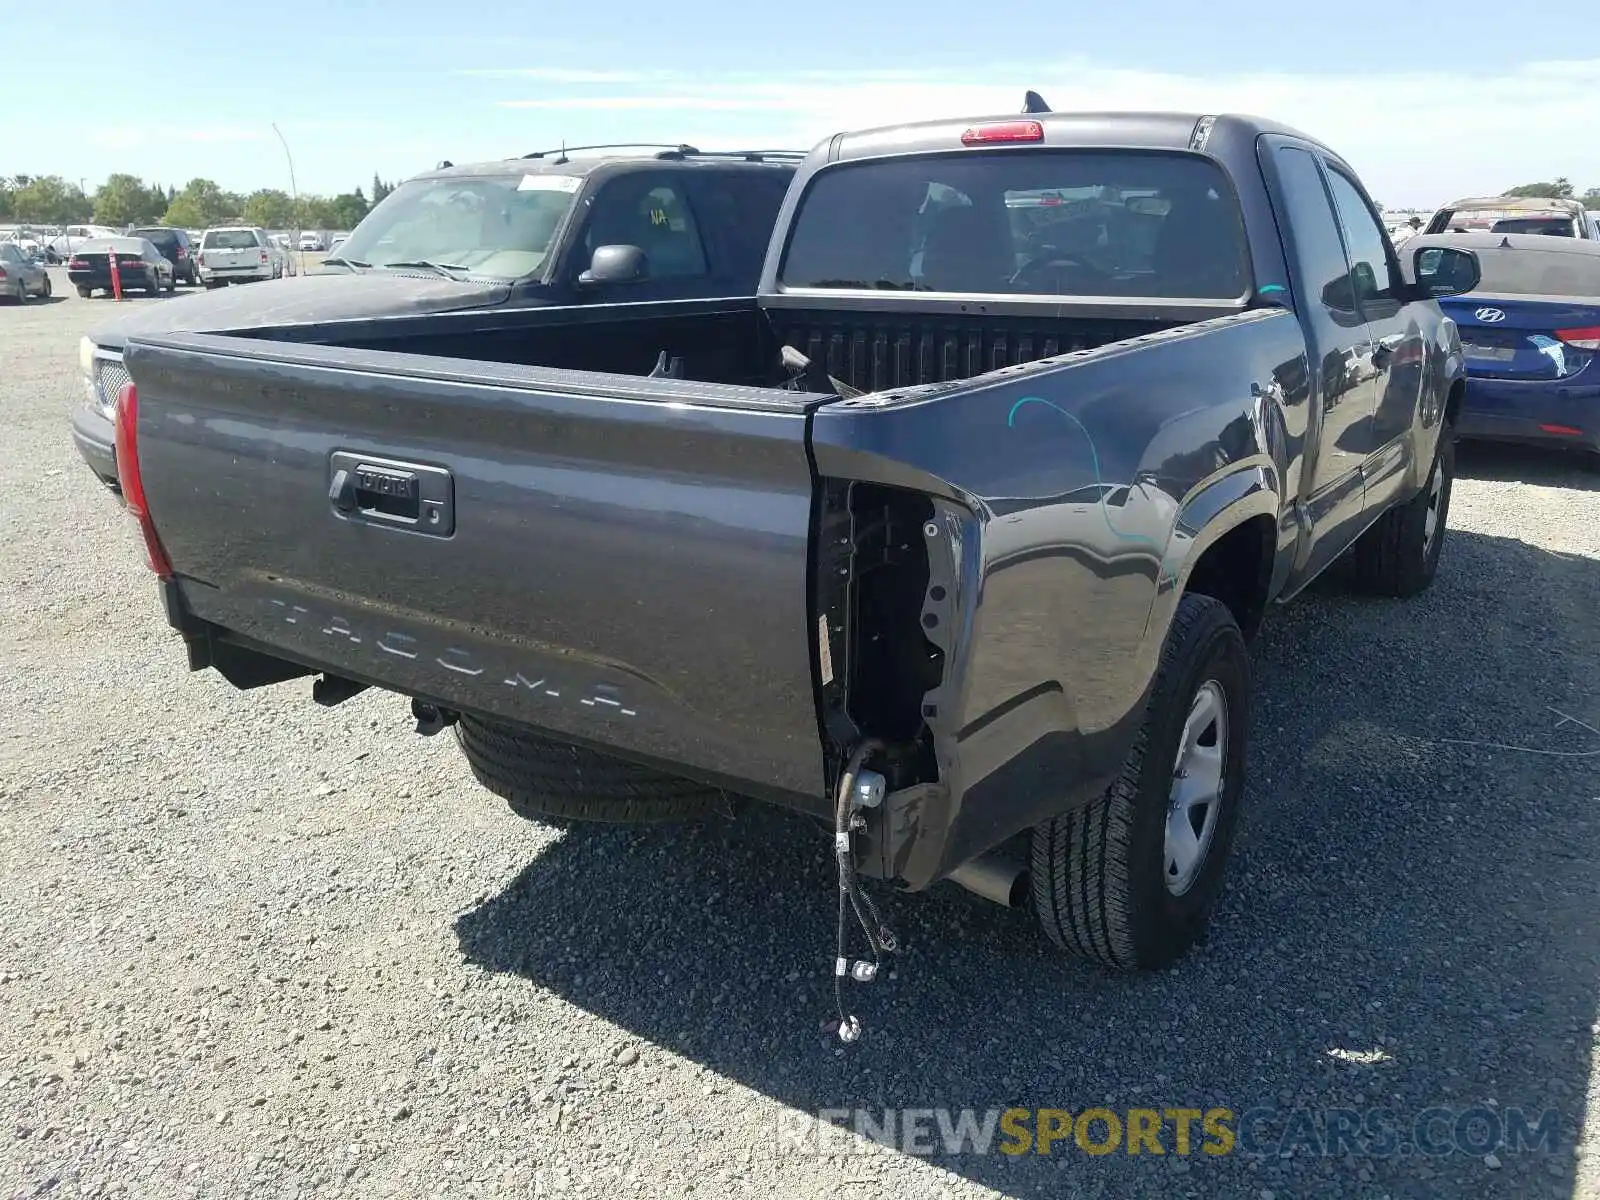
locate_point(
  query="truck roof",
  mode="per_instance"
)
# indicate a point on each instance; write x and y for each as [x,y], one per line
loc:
[1521,204]
[588,160]
[1142,130]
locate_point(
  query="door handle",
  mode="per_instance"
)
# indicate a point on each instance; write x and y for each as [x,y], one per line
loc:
[1383,352]
[386,492]
[342,492]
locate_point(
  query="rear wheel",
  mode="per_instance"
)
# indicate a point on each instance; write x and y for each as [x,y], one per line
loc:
[49,288]
[544,780]
[85,292]
[1130,880]
[1399,555]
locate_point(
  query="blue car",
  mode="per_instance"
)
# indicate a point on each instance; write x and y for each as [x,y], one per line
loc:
[1530,333]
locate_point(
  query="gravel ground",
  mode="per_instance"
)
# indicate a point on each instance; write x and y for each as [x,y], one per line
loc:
[257,948]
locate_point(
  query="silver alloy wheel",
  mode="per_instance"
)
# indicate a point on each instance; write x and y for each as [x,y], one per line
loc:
[1197,781]
[1430,519]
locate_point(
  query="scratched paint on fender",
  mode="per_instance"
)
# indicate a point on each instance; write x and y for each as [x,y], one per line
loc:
[1167,575]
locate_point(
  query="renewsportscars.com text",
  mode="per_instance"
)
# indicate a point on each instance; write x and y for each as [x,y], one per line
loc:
[1255,1132]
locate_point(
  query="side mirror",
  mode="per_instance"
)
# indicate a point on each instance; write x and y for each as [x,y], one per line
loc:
[1446,271]
[616,264]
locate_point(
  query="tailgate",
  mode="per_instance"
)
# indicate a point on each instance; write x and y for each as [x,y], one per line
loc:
[616,559]
[228,259]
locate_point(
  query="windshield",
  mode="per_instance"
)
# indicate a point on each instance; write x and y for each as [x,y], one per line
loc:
[230,239]
[164,238]
[1045,222]
[491,225]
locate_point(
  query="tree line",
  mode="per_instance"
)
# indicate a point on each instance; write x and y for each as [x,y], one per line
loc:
[124,200]
[1559,188]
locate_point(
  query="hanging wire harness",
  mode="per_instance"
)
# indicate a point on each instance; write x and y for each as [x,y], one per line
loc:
[858,789]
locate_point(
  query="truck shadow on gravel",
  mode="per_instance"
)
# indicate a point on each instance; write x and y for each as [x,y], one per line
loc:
[1410,923]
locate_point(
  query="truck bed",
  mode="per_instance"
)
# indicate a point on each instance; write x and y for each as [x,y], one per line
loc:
[736,341]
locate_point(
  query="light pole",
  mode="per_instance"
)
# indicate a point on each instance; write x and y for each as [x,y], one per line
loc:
[294,194]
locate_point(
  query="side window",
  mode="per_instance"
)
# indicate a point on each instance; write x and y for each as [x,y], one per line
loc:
[9,253]
[649,212]
[741,210]
[1324,272]
[1369,250]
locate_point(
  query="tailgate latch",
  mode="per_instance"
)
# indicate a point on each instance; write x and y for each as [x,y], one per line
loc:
[417,497]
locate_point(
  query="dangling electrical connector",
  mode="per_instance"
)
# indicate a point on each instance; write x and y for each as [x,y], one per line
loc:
[858,789]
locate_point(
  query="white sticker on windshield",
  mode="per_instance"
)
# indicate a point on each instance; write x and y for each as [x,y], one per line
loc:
[550,183]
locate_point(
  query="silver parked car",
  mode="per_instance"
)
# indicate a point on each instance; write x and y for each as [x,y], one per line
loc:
[20,275]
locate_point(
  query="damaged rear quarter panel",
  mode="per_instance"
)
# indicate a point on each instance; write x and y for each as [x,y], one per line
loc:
[1062,491]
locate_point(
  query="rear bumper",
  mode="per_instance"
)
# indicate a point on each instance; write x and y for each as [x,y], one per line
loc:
[228,274]
[1531,413]
[92,433]
[102,280]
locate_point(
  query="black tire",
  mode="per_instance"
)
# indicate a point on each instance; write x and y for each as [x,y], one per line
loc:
[1099,873]
[49,288]
[545,780]
[1396,556]
[85,293]
[172,284]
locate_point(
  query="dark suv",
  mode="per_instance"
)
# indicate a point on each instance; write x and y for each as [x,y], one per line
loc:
[557,227]
[176,248]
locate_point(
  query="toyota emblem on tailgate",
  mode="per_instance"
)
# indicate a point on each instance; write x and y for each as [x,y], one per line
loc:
[1490,316]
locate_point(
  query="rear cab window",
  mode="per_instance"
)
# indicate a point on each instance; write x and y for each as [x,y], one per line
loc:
[1550,226]
[1079,223]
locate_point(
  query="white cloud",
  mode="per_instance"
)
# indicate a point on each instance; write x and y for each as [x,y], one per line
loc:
[558,74]
[1416,137]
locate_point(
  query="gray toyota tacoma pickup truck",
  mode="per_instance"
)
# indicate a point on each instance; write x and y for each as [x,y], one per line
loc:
[952,536]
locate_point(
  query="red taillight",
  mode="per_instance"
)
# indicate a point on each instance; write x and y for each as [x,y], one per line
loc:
[132,481]
[1562,430]
[263,256]
[1008,131]
[2,272]
[1587,338]
[77,264]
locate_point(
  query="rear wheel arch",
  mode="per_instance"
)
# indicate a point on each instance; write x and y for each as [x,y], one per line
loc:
[1236,569]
